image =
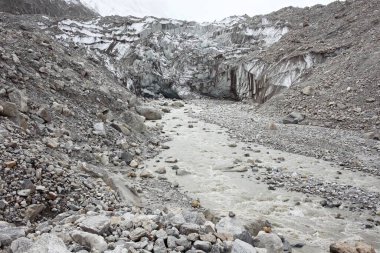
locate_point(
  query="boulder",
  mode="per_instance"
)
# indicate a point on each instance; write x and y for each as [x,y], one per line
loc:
[21,245]
[202,245]
[351,246]
[99,128]
[9,233]
[242,247]
[189,228]
[19,99]
[177,104]
[308,90]
[33,211]
[159,246]
[96,224]
[44,244]
[137,234]
[149,113]
[234,227]
[293,118]
[95,242]
[45,114]
[194,217]
[270,241]
[9,109]
[134,121]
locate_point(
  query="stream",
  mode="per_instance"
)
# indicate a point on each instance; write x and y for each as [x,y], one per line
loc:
[208,153]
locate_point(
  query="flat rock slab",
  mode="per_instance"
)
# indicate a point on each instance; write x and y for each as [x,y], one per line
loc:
[96,224]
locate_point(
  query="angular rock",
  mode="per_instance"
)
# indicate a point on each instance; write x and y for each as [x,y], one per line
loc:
[202,245]
[9,233]
[137,234]
[21,245]
[293,118]
[270,241]
[149,113]
[159,246]
[99,128]
[96,224]
[9,109]
[33,211]
[19,99]
[242,247]
[95,242]
[48,243]
[189,228]
[194,217]
[45,114]
[134,121]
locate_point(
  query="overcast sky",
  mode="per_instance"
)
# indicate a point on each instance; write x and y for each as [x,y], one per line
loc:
[199,10]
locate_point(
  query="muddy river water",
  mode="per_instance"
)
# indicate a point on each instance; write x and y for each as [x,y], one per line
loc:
[206,151]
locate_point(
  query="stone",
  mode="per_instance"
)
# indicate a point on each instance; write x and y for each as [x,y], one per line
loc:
[193,237]
[99,128]
[233,226]
[270,241]
[202,245]
[33,211]
[21,245]
[161,234]
[3,204]
[177,104]
[194,217]
[146,174]
[134,164]
[308,90]
[272,126]
[93,241]
[45,114]
[293,118]
[351,245]
[10,164]
[208,238]
[171,160]
[51,142]
[24,192]
[19,99]
[96,224]
[9,109]
[134,121]
[126,157]
[136,234]
[159,246]
[239,246]
[121,127]
[184,242]
[47,243]
[9,233]
[161,170]
[189,228]
[182,172]
[149,113]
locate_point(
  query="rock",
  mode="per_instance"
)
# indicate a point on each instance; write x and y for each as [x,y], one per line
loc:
[171,160]
[370,100]
[136,234]
[293,118]
[161,234]
[24,192]
[95,242]
[51,142]
[372,136]
[272,126]
[202,245]
[10,164]
[177,104]
[270,241]
[308,90]
[33,211]
[208,238]
[209,227]
[351,245]
[146,174]
[182,172]
[45,114]
[242,247]
[233,226]
[194,217]
[96,224]
[149,113]
[121,127]
[126,157]
[9,109]
[159,246]
[193,237]
[9,233]
[161,170]
[99,128]
[17,97]
[47,243]
[3,204]
[189,228]
[21,245]
[134,164]
[134,121]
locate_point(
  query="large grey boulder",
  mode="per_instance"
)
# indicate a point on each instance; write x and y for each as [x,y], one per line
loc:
[96,224]
[242,247]
[134,121]
[149,113]
[194,217]
[46,243]
[21,245]
[293,118]
[234,227]
[9,109]
[270,241]
[9,233]
[95,242]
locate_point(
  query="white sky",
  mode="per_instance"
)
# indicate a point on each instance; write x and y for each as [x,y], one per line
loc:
[198,10]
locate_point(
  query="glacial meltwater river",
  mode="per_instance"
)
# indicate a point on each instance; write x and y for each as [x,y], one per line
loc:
[205,151]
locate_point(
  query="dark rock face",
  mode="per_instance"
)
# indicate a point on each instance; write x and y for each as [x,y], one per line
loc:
[53,8]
